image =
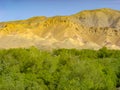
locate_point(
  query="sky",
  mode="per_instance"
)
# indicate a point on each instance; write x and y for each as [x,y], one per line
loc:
[11,10]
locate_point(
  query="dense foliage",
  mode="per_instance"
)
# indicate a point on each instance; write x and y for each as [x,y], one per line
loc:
[62,69]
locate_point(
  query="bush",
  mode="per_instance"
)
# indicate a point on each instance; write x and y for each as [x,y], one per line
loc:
[62,69]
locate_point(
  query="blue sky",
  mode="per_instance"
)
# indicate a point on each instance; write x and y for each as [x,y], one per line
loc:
[23,9]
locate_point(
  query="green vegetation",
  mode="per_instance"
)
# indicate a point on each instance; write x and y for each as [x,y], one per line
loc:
[63,69]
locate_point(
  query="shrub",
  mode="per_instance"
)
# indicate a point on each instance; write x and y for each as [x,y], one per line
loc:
[62,69]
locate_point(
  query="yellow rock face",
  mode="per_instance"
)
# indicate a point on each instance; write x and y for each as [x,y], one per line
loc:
[91,29]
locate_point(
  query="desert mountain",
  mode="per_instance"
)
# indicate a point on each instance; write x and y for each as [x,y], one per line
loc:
[91,29]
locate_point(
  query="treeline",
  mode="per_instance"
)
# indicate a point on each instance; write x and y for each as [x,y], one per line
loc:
[62,69]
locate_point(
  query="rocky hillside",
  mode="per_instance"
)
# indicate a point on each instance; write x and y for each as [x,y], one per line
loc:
[91,29]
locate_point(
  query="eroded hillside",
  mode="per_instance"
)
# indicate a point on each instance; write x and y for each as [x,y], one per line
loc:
[91,29]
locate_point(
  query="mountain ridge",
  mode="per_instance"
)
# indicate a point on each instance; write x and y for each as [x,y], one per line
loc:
[89,29]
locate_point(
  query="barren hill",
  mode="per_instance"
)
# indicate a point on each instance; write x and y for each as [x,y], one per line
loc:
[91,29]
